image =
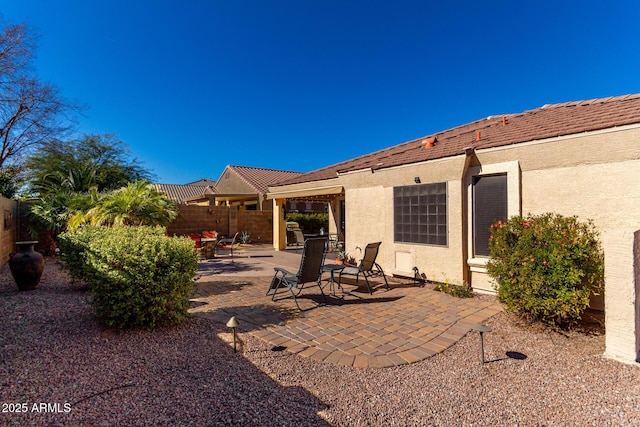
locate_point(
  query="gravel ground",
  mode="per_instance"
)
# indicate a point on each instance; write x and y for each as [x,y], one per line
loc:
[59,368]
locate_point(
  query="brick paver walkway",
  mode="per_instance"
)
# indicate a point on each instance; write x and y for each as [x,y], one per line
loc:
[403,325]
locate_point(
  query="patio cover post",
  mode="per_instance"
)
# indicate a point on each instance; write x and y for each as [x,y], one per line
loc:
[279,227]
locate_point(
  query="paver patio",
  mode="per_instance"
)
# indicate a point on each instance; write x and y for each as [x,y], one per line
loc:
[403,325]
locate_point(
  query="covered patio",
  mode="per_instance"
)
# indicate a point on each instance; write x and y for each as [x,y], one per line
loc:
[333,195]
[404,325]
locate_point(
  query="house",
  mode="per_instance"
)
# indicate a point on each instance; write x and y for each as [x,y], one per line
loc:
[431,200]
[244,186]
[180,193]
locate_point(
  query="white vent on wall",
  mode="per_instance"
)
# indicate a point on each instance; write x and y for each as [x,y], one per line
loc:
[404,263]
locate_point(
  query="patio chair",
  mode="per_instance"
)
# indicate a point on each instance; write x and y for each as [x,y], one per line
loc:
[228,243]
[310,271]
[334,242]
[368,267]
[299,236]
[295,236]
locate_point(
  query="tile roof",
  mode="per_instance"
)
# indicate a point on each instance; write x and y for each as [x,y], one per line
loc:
[179,193]
[205,181]
[260,179]
[545,122]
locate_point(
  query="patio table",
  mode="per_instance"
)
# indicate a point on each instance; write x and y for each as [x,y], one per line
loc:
[332,268]
[207,243]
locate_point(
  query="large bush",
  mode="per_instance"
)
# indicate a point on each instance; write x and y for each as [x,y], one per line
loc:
[546,266]
[137,275]
[77,252]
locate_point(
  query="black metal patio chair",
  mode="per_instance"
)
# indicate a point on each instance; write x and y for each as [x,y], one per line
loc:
[310,272]
[227,243]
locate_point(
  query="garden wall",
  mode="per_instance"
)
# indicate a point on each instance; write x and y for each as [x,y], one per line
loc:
[8,227]
[226,220]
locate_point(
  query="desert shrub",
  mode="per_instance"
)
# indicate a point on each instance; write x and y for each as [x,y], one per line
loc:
[310,222]
[459,291]
[76,251]
[137,275]
[245,237]
[546,267]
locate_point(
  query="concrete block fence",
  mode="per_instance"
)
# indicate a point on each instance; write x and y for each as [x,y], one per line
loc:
[226,220]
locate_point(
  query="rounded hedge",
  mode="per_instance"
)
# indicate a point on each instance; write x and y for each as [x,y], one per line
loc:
[546,266]
[137,275]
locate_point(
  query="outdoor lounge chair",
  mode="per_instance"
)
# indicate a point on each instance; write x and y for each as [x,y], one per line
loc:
[310,271]
[295,236]
[228,243]
[367,267]
[297,233]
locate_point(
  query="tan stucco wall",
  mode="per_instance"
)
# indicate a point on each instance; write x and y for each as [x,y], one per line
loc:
[592,176]
[607,193]
[622,277]
[369,218]
[230,183]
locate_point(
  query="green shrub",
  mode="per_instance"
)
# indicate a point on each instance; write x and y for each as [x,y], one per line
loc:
[546,266]
[137,275]
[76,251]
[310,222]
[459,291]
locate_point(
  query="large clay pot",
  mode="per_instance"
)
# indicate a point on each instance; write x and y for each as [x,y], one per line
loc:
[26,266]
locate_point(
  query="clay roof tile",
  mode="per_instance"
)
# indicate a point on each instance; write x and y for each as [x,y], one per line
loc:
[548,121]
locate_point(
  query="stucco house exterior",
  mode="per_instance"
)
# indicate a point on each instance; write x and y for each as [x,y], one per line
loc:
[431,200]
[243,186]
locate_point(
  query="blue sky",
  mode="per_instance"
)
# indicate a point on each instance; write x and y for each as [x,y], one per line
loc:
[194,85]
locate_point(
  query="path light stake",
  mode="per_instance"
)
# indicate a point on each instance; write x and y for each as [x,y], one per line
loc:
[482,329]
[233,323]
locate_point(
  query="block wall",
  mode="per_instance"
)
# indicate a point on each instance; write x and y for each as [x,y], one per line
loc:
[8,228]
[259,224]
[226,220]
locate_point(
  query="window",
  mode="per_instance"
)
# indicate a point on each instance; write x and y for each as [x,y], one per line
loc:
[489,205]
[420,214]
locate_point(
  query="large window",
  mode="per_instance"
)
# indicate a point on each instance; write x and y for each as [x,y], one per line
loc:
[420,214]
[489,205]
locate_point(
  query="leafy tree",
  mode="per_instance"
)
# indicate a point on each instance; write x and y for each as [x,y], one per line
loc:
[93,161]
[10,181]
[31,112]
[136,204]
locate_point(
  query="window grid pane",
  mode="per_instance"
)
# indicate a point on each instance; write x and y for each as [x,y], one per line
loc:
[420,213]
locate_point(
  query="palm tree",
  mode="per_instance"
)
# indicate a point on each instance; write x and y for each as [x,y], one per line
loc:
[136,204]
[50,213]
